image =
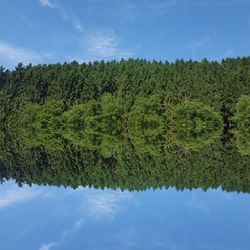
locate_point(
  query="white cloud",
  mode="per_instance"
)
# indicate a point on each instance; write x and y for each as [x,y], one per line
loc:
[14,195]
[48,246]
[104,205]
[96,205]
[104,46]
[74,229]
[14,55]
[78,224]
[24,18]
[199,206]
[47,3]
[221,2]
[214,247]
[76,23]
[227,53]
[204,47]
[196,46]
[162,6]
[131,11]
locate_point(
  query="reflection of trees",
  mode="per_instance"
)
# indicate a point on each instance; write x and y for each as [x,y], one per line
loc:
[110,145]
[121,166]
[146,125]
[96,116]
[97,144]
[193,125]
[41,124]
[107,145]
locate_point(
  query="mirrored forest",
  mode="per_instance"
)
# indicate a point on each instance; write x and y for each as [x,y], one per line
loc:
[129,124]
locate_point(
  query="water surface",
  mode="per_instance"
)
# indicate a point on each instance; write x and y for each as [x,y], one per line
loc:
[43,218]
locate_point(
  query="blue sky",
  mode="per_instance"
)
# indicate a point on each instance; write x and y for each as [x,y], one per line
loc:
[51,31]
[51,218]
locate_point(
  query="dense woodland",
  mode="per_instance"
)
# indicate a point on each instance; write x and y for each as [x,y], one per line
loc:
[130,124]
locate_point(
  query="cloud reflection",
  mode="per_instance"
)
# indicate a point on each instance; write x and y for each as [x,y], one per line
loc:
[104,204]
[14,194]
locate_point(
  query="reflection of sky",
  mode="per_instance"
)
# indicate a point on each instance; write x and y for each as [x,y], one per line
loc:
[45,218]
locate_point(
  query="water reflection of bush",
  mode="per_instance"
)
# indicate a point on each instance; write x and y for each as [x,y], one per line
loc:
[154,145]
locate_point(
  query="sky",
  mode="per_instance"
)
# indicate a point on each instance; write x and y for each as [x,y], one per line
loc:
[52,218]
[52,31]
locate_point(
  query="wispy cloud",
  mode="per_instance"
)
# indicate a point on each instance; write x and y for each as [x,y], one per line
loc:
[47,3]
[161,5]
[77,225]
[13,54]
[24,18]
[131,11]
[105,46]
[97,205]
[73,229]
[195,46]
[25,231]
[220,2]
[214,247]
[14,195]
[76,23]
[208,47]
[227,53]
[104,205]
[48,246]
[198,206]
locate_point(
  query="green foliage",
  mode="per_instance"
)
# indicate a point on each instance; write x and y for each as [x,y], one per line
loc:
[94,124]
[145,118]
[193,125]
[117,120]
[25,123]
[41,124]
[211,167]
[146,125]
[235,82]
[48,124]
[85,124]
[103,115]
[2,115]
[242,121]
[110,117]
[81,139]
[79,117]
[110,146]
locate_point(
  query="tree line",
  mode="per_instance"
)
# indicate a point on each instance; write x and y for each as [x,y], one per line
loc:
[218,85]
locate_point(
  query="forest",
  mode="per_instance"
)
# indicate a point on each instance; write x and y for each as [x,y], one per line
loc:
[129,124]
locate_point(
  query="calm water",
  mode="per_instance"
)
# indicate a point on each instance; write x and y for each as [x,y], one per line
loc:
[139,196]
[45,218]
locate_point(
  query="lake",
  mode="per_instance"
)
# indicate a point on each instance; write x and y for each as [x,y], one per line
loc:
[75,198]
[43,218]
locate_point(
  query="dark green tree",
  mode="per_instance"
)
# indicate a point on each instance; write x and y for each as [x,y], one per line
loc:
[242,123]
